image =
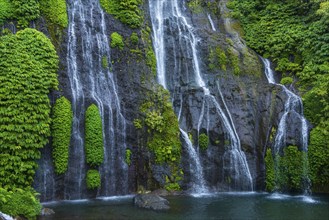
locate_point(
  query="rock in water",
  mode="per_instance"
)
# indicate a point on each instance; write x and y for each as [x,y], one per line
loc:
[151,201]
[47,211]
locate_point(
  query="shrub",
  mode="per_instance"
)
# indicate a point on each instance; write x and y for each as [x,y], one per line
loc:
[6,10]
[203,141]
[94,136]
[61,133]
[270,172]
[26,11]
[117,41]
[56,11]
[286,81]
[93,179]
[28,72]
[127,11]
[20,202]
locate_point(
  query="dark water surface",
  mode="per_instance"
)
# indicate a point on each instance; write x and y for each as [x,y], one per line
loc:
[215,206]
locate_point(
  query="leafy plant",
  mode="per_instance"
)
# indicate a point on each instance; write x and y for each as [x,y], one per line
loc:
[19,202]
[28,72]
[134,38]
[6,10]
[56,11]
[61,133]
[94,137]
[105,63]
[286,81]
[270,171]
[127,11]
[117,41]
[203,141]
[25,11]
[93,179]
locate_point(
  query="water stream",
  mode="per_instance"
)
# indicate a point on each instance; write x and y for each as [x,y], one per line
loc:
[167,18]
[91,82]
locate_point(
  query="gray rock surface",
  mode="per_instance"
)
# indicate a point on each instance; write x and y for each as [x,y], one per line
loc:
[151,201]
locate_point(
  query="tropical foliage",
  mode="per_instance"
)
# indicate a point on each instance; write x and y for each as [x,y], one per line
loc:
[61,133]
[27,72]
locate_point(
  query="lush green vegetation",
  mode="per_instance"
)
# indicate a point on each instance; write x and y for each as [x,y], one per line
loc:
[128,157]
[217,59]
[117,41]
[61,133]
[56,12]
[295,35]
[28,71]
[6,10]
[93,179]
[161,124]
[127,11]
[20,202]
[134,38]
[105,63]
[270,171]
[203,141]
[94,137]
[289,172]
[25,11]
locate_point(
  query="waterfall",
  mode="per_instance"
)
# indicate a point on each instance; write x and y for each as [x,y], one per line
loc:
[91,82]
[198,182]
[292,104]
[167,18]
[211,23]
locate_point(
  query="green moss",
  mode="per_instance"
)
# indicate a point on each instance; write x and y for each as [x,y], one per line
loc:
[286,81]
[195,6]
[128,157]
[117,41]
[217,59]
[270,172]
[94,137]
[134,38]
[56,11]
[19,202]
[61,133]
[93,179]
[105,63]
[28,72]
[151,60]
[203,141]
[234,61]
[127,11]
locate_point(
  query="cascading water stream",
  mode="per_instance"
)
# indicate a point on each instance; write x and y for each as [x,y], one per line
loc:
[198,182]
[292,104]
[235,165]
[91,82]
[211,23]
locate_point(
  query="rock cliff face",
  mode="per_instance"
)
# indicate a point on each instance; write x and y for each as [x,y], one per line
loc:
[236,82]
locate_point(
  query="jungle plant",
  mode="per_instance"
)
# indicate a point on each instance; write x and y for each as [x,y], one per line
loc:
[117,41]
[203,141]
[28,72]
[61,133]
[93,179]
[94,137]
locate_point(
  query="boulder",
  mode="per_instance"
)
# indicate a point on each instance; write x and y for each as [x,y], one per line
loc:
[47,211]
[151,201]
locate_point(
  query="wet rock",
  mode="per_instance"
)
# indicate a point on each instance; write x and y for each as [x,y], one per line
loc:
[47,211]
[151,201]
